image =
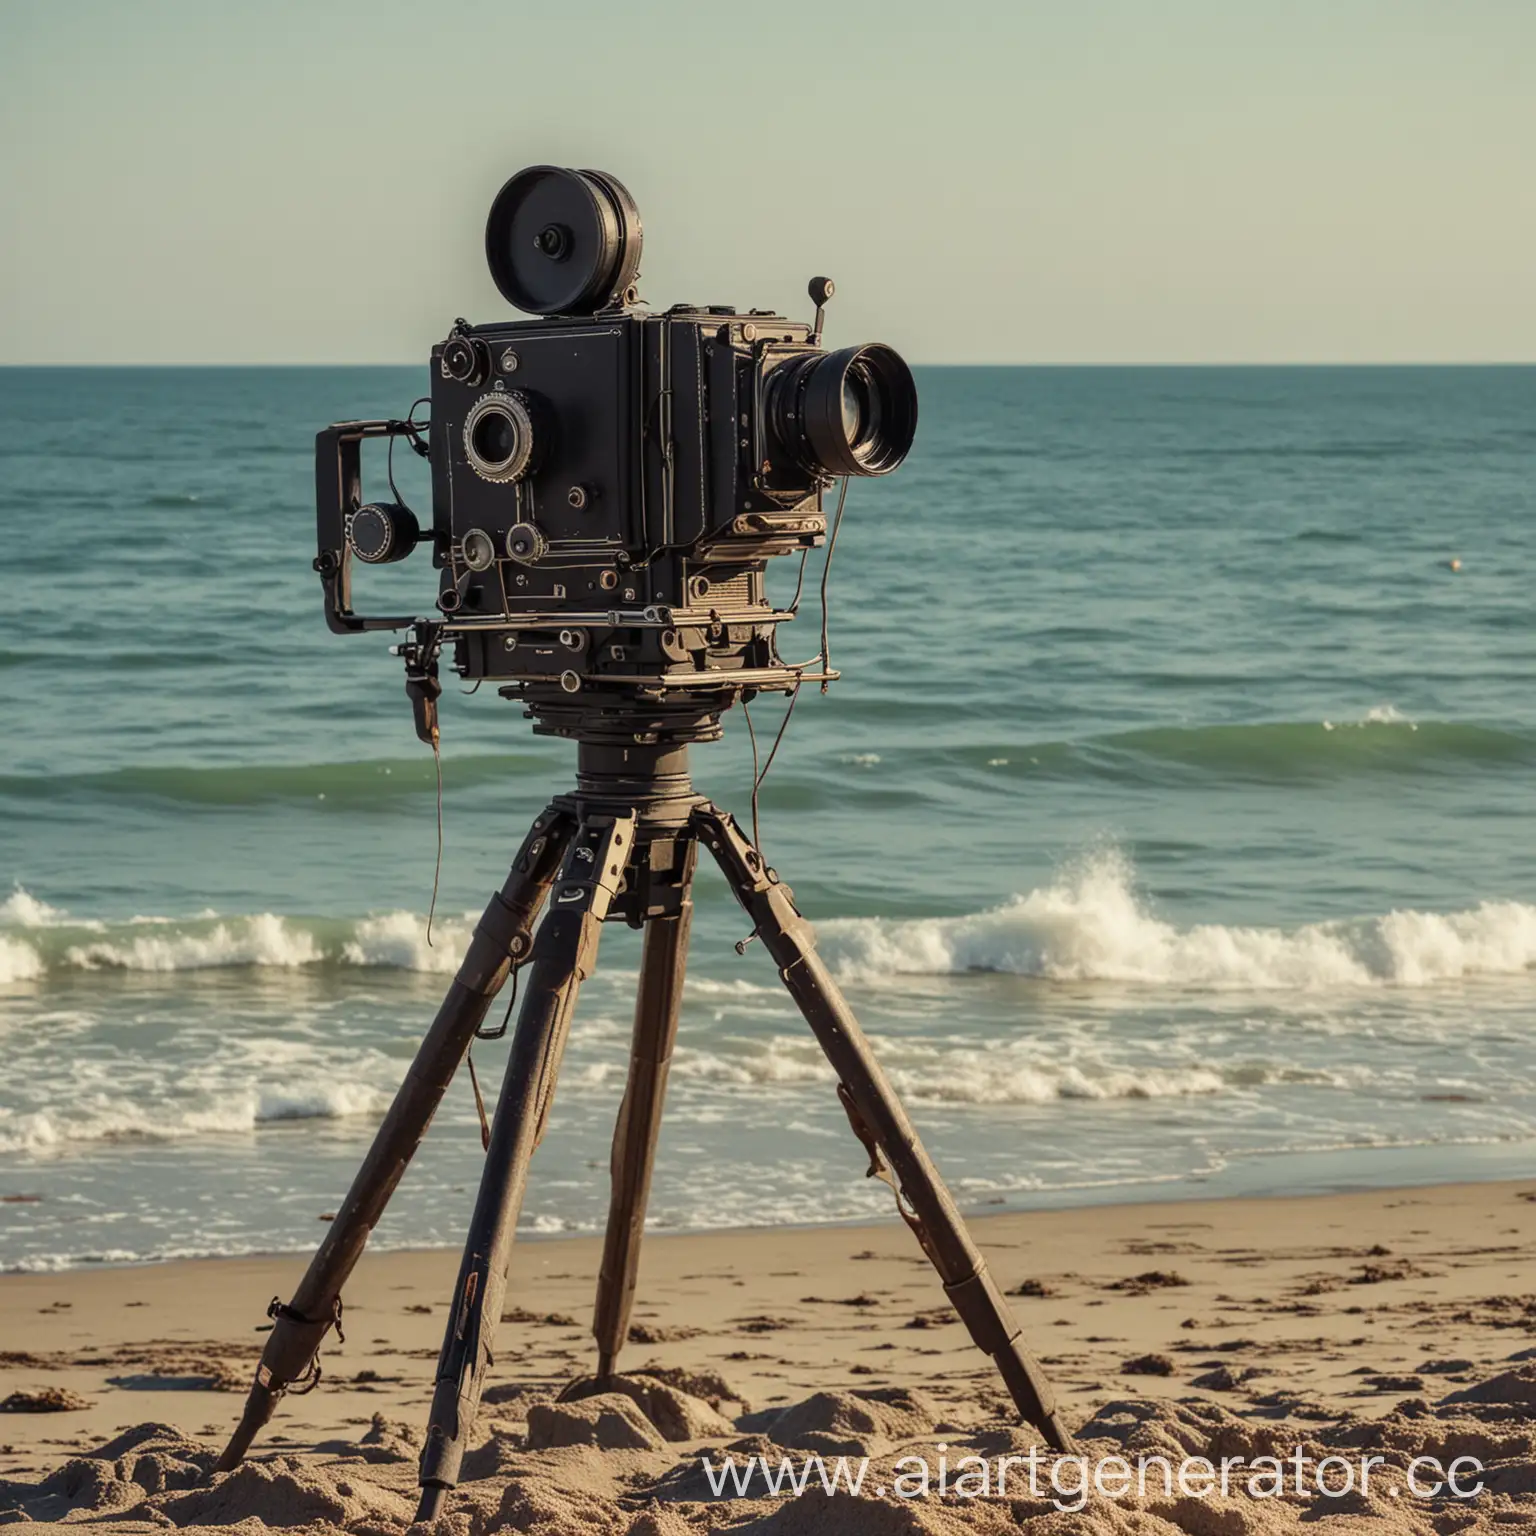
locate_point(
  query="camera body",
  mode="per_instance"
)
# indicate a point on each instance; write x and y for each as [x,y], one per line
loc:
[606,478]
[609,483]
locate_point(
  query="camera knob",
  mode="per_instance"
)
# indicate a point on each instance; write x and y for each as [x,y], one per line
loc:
[466,360]
[525,543]
[382,532]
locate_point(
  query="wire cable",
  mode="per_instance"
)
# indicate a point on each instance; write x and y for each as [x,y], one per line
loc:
[794,602]
[826,571]
[758,775]
[773,752]
[413,430]
[746,710]
[437,870]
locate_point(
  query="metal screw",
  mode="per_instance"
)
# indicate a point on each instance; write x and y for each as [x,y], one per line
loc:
[509,361]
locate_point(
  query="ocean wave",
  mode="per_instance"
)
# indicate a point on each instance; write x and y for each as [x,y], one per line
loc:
[104,1117]
[399,941]
[1092,925]
[18,961]
[1380,740]
[21,909]
[45,939]
[264,940]
[1089,925]
[359,783]
[998,1074]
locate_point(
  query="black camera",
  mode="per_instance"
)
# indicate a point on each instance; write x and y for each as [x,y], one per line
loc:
[607,482]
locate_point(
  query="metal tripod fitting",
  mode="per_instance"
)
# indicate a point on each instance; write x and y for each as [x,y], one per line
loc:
[564,955]
[501,939]
[881,1121]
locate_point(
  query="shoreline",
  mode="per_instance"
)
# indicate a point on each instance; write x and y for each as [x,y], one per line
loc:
[1415,1165]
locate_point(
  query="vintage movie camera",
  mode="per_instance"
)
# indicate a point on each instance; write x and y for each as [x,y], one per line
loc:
[607,482]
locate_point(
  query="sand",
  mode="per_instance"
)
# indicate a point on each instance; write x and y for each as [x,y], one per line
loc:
[1397,1323]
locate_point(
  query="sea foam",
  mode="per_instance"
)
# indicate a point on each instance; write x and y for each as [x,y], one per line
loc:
[399,940]
[998,1073]
[1089,924]
[260,940]
[21,909]
[18,961]
[1092,925]
[97,1117]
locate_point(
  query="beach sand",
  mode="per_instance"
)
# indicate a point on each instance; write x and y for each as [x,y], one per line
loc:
[1342,1323]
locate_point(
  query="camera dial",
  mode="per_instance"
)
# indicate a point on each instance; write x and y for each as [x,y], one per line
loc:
[382,532]
[466,360]
[499,438]
[479,550]
[525,543]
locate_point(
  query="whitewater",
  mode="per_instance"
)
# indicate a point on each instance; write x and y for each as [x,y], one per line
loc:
[1091,924]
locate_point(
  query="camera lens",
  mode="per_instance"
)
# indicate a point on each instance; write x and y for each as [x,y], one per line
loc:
[495,437]
[499,436]
[852,412]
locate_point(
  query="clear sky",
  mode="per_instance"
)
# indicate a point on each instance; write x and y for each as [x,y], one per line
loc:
[1074,181]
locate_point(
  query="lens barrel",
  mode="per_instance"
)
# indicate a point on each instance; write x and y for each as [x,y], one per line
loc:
[501,436]
[852,412]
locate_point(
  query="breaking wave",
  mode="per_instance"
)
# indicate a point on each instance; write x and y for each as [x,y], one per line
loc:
[1090,924]
[98,1117]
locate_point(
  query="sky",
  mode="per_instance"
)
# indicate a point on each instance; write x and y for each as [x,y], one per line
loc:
[1081,181]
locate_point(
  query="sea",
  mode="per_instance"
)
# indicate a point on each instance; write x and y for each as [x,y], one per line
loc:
[1172,829]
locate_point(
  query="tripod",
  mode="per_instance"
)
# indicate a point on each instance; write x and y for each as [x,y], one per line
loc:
[623,845]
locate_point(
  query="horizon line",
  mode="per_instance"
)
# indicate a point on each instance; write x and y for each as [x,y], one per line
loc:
[1046,364]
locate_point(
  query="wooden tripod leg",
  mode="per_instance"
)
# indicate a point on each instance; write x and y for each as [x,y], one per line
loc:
[882,1123]
[663,962]
[501,938]
[564,955]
